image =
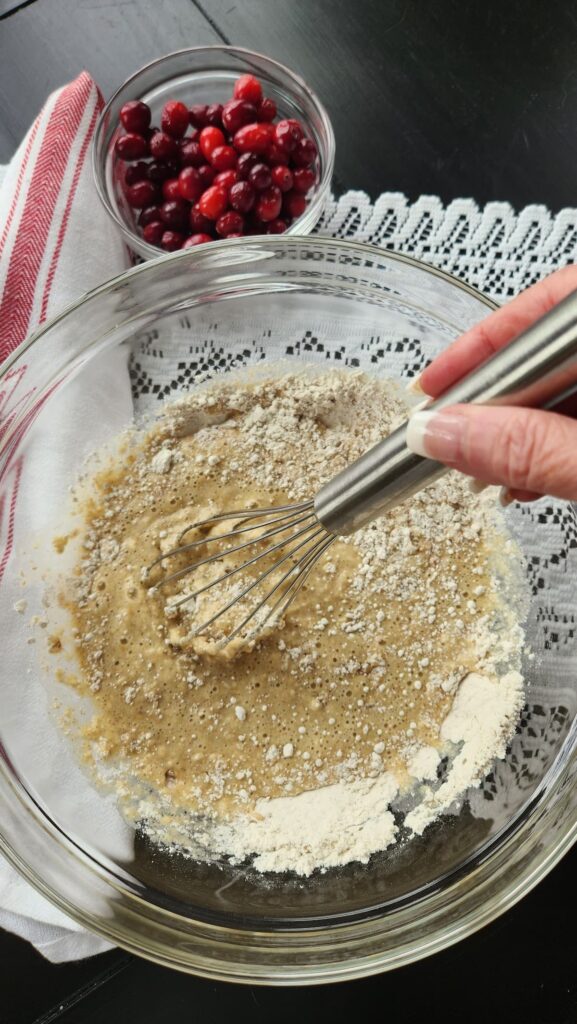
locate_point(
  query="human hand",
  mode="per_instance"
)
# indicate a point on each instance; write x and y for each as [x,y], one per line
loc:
[528,451]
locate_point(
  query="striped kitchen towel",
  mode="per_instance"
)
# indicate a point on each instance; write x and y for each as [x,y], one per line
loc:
[56,242]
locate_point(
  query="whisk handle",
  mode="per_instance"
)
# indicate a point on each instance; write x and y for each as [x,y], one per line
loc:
[537,370]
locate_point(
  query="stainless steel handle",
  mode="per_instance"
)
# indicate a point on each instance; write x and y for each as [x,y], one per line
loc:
[536,369]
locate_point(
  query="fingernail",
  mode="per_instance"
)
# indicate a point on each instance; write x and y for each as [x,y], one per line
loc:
[414,385]
[505,497]
[477,486]
[435,435]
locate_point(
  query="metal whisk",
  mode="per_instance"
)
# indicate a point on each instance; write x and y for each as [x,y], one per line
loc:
[534,371]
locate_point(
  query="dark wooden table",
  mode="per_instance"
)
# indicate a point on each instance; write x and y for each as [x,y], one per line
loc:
[450,97]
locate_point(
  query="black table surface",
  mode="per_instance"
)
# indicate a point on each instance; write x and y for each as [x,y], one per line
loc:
[447,97]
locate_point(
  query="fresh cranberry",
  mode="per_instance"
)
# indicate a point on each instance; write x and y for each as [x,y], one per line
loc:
[141,194]
[174,213]
[268,204]
[260,177]
[153,232]
[163,147]
[304,179]
[160,170]
[282,177]
[206,173]
[198,222]
[147,215]
[248,88]
[245,162]
[223,158]
[214,115]
[229,223]
[241,197]
[294,204]
[197,115]
[189,185]
[170,189]
[254,138]
[226,179]
[277,155]
[199,239]
[287,134]
[305,153]
[135,117]
[191,154]
[237,113]
[209,139]
[174,118]
[131,146]
[267,110]
[276,227]
[172,240]
[213,202]
[135,172]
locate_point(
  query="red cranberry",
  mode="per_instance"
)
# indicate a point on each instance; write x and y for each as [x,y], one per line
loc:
[267,110]
[198,222]
[153,232]
[282,177]
[268,204]
[229,223]
[191,154]
[223,158]
[288,133]
[213,202]
[305,153]
[189,185]
[304,179]
[237,113]
[260,176]
[276,227]
[135,172]
[131,146]
[226,179]
[245,162]
[163,147]
[174,213]
[143,193]
[135,117]
[277,155]
[248,88]
[148,215]
[172,240]
[241,197]
[206,173]
[209,139]
[160,170]
[214,114]
[170,189]
[294,204]
[253,138]
[174,118]
[197,115]
[198,239]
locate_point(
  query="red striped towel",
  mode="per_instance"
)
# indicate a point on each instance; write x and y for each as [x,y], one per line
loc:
[56,242]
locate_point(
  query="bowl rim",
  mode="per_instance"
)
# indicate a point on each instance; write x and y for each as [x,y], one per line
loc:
[322,187]
[357,963]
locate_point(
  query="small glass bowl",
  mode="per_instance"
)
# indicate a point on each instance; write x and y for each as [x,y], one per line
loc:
[206,74]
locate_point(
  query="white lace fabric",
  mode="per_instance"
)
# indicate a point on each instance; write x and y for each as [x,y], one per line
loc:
[493,248]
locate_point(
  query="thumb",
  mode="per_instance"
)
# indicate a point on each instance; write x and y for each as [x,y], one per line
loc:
[522,449]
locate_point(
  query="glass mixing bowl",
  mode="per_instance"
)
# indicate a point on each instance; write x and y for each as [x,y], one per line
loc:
[206,74]
[123,349]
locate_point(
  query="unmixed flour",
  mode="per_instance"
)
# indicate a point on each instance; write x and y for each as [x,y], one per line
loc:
[291,748]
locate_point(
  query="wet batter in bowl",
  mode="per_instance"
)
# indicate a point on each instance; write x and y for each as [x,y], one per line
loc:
[334,710]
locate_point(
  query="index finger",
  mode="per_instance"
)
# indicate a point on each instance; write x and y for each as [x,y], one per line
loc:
[485,338]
